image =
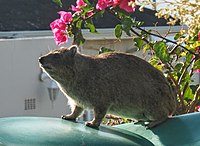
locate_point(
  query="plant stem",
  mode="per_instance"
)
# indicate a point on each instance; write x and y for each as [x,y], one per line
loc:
[173,49]
[168,40]
[184,71]
[194,102]
[190,74]
[178,89]
[153,34]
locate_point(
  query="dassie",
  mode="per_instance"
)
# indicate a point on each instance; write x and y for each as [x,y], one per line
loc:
[116,83]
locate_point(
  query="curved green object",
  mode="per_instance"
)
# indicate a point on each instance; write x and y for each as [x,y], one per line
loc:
[181,130]
[40,131]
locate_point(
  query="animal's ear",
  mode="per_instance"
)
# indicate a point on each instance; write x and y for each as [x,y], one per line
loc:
[73,50]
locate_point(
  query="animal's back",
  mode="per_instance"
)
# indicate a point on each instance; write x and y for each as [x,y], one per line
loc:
[122,79]
[126,72]
[132,83]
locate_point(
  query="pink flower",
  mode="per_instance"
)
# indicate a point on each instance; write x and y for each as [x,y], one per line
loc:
[57,24]
[90,13]
[199,36]
[60,37]
[58,27]
[197,71]
[116,2]
[126,5]
[102,4]
[197,109]
[66,17]
[79,3]
[123,4]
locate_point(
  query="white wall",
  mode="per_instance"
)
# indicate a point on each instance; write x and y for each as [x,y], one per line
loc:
[19,78]
[20,72]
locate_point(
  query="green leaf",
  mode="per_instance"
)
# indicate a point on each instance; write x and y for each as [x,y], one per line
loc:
[183,54]
[186,78]
[91,27]
[175,75]
[197,65]
[177,36]
[188,58]
[87,2]
[118,31]
[188,93]
[138,42]
[159,67]
[194,88]
[79,24]
[138,23]
[179,66]
[89,24]
[156,63]
[196,44]
[145,34]
[127,24]
[146,47]
[58,2]
[160,49]
[154,60]
[86,9]
[104,50]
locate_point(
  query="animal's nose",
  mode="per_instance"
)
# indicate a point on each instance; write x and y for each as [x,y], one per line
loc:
[41,60]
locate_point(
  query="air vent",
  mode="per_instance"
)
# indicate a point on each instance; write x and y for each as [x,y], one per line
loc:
[30,104]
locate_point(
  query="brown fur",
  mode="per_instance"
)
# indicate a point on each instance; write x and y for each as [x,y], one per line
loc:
[116,83]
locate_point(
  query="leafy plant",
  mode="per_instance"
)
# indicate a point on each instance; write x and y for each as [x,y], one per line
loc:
[104,50]
[178,62]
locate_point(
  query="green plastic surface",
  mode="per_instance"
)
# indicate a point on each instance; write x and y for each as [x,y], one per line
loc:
[181,130]
[40,131]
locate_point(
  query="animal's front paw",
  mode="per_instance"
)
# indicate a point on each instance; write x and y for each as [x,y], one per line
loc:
[92,125]
[68,117]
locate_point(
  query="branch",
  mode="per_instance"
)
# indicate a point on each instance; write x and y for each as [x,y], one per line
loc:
[132,30]
[164,38]
[184,71]
[144,39]
[178,89]
[190,74]
[194,102]
[173,49]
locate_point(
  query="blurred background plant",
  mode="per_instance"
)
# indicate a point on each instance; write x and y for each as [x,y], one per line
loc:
[178,59]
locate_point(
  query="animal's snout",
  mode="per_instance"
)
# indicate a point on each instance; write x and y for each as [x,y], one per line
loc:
[41,60]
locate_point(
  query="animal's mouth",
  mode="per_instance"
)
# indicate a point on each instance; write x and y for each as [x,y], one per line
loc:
[46,66]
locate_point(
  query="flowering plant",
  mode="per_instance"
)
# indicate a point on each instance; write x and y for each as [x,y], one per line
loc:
[84,11]
[178,62]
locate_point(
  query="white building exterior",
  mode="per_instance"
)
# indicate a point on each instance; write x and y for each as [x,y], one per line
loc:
[19,79]
[20,74]
[20,82]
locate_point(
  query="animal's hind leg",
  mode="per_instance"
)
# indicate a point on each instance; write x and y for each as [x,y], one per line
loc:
[99,114]
[156,116]
[75,113]
[152,124]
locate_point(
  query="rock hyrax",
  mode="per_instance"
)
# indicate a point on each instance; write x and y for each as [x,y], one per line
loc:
[117,83]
